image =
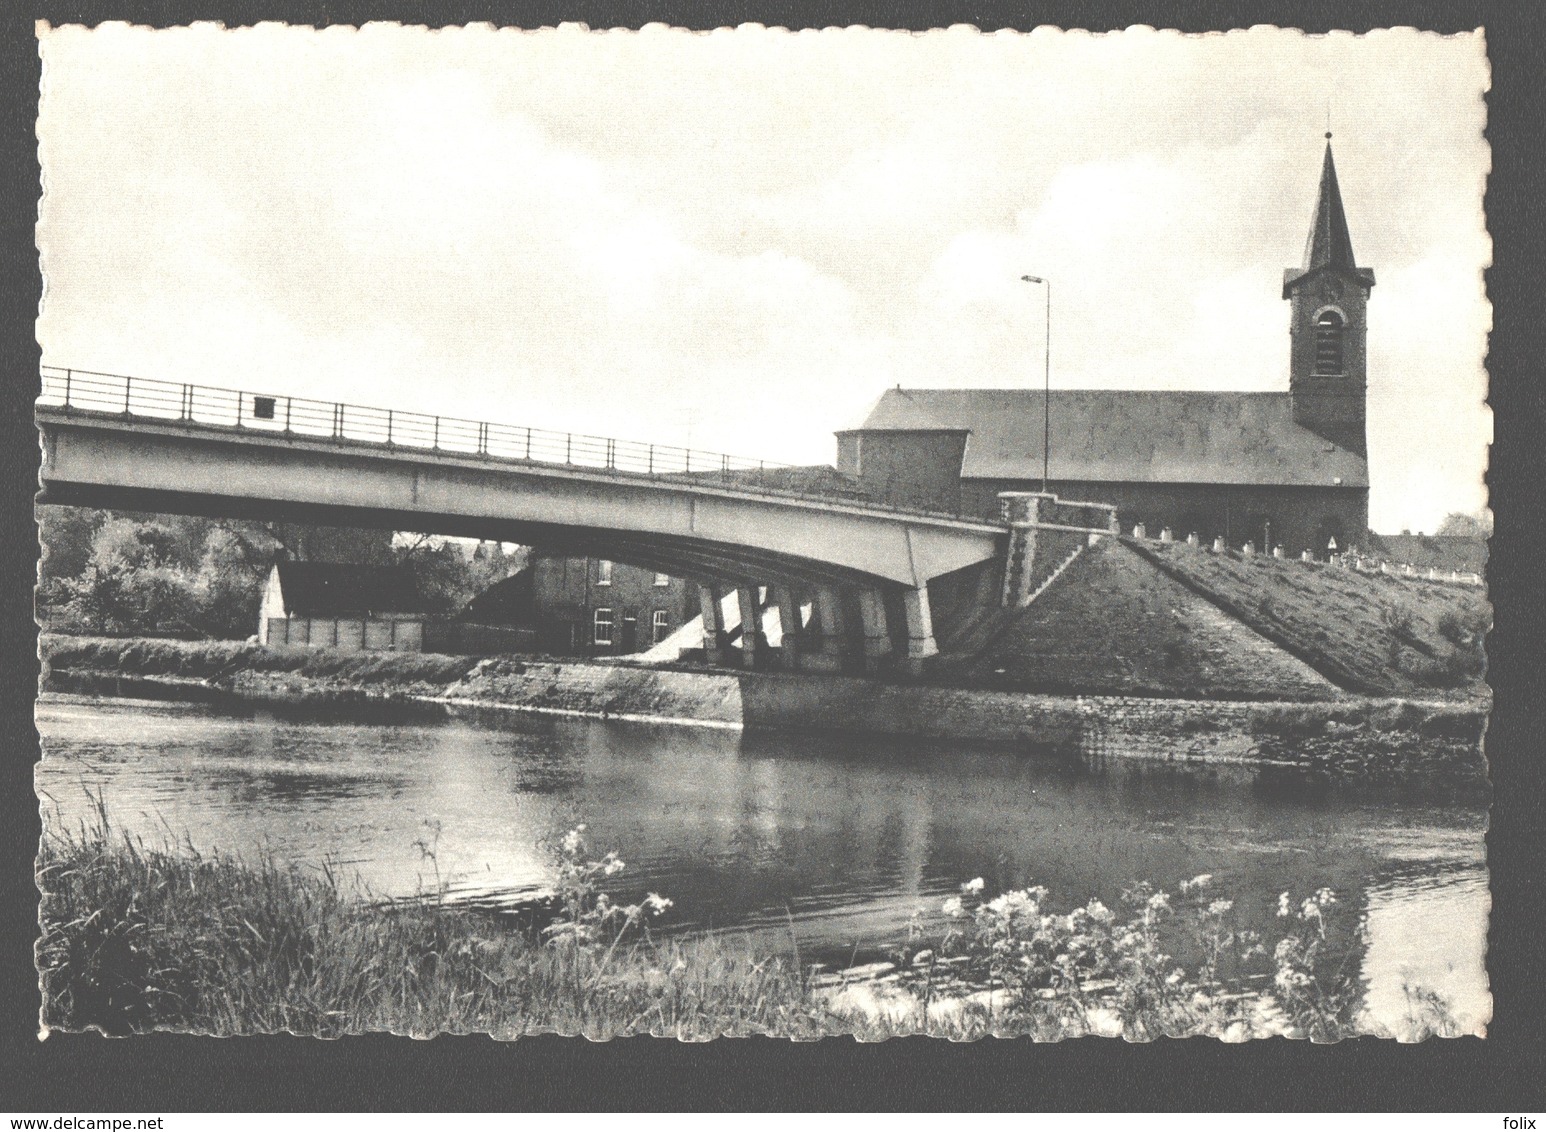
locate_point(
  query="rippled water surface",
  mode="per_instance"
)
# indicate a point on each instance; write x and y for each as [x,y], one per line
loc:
[831,841]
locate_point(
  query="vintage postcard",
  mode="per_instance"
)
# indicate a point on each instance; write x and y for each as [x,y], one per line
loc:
[751,532]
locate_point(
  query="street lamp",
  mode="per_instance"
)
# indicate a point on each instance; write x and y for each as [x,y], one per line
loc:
[1046,379]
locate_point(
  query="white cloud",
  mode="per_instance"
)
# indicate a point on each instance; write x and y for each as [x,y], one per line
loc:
[752,234]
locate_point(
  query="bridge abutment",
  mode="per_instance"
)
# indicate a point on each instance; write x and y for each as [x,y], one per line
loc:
[1045,532]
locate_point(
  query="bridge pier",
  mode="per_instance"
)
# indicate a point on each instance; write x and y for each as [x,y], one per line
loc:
[877,638]
[827,637]
[920,624]
[754,644]
[791,630]
[716,641]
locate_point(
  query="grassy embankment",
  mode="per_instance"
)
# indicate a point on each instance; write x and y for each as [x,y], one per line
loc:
[1370,633]
[138,939]
[221,660]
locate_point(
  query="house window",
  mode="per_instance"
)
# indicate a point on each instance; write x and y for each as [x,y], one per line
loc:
[1328,344]
[662,580]
[660,626]
[603,572]
[601,627]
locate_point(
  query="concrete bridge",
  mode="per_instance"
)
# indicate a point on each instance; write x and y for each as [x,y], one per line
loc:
[849,573]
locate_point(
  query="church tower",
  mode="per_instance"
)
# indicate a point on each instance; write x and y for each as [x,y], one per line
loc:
[1328,324]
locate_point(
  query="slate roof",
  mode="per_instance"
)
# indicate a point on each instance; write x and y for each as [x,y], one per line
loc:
[1126,436]
[333,589]
[508,601]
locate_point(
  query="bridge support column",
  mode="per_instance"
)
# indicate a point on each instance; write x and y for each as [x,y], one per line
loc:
[791,631]
[754,645]
[826,641]
[920,624]
[877,638]
[715,641]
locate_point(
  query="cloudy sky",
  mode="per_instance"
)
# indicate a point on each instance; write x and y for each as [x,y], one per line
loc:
[739,239]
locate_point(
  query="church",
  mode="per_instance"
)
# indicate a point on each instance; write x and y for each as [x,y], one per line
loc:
[1275,469]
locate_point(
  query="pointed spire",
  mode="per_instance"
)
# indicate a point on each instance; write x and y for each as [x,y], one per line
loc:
[1329,244]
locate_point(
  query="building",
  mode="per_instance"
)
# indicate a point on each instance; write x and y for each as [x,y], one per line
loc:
[588,606]
[1287,469]
[343,606]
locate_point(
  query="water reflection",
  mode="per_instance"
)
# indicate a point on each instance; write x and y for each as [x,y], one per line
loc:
[835,841]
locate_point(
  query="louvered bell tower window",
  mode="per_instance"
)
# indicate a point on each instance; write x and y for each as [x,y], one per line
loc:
[1328,345]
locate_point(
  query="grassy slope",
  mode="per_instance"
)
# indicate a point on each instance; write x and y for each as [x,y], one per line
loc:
[1369,633]
[1113,623]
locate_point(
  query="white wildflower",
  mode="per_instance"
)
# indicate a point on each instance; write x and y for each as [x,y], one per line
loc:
[953,907]
[1012,904]
[973,885]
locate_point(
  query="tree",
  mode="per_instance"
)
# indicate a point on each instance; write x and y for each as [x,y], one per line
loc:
[228,585]
[446,576]
[131,580]
[1470,526]
[65,535]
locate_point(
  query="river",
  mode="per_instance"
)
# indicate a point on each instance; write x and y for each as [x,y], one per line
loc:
[830,842]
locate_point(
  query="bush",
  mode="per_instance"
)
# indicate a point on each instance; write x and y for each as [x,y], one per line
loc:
[1467,624]
[1096,970]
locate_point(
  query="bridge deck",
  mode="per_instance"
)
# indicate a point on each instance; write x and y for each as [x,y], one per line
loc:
[69,394]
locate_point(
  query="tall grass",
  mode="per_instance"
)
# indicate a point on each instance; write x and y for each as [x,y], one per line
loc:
[138,938]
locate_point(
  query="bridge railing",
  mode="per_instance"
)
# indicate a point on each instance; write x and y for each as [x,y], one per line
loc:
[88,391]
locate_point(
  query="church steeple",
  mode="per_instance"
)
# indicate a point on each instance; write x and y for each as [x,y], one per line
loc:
[1329,244]
[1328,329]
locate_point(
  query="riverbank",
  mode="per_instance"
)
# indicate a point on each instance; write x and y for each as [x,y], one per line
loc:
[138,939]
[1394,741]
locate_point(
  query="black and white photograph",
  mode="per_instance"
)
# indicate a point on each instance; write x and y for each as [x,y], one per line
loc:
[845,532]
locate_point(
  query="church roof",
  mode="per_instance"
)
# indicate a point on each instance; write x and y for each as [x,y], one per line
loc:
[1329,243]
[1126,436]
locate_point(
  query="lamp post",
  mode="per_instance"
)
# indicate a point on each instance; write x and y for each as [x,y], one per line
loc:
[1046,380]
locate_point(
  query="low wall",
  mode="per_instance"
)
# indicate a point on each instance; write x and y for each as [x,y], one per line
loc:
[770,701]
